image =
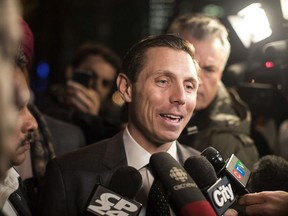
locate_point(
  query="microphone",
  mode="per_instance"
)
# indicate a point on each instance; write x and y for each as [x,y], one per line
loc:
[118,199]
[269,173]
[218,191]
[184,195]
[237,173]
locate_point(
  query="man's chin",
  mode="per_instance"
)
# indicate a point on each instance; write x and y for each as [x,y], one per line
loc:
[19,159]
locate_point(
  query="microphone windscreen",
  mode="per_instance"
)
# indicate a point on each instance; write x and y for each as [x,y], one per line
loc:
[214,157]
[201,170]
[126,181]
[184,195]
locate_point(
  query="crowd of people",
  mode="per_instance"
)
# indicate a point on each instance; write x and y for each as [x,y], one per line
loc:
[165,95]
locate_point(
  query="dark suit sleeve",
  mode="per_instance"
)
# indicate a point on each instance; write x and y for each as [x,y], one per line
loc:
[53,194]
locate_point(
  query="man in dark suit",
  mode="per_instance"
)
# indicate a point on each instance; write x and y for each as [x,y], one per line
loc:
[159,81]
[13,199]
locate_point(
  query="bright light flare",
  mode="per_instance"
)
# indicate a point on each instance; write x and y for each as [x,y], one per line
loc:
[251,24]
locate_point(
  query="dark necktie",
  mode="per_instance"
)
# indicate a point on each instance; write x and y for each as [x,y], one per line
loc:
[157,204]
[18,200]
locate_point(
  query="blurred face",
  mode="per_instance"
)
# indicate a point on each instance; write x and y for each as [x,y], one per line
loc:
[163,98]
[211,57]
[25,122]
[8,115]
[104,72]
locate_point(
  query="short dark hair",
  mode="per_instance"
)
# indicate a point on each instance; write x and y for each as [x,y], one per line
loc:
[135,58]
[88,49]
[268,174]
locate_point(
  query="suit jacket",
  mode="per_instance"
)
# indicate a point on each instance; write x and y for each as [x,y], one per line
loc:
[67,137]
[20,201]
[71,178]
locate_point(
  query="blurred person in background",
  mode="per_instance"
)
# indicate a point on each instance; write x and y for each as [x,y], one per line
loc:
[14,200]
[51,138]
[86,99]
[221,119]
[10,35]
[12,118]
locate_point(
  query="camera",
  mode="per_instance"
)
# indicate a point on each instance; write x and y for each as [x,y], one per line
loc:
[84,77]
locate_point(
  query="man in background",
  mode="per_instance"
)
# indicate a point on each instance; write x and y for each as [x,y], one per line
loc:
[52,137]
[13,194]
[221,119]
[10,35]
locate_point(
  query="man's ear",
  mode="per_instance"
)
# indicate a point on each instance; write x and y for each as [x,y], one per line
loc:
[124,87]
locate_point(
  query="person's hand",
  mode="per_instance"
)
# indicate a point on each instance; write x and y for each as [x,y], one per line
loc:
[84,99]
[231,212]
[266,203]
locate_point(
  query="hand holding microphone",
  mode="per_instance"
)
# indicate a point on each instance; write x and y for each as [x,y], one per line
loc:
[118,199]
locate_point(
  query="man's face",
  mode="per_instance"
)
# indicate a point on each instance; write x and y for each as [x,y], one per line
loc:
[164,96]
[26,123]
[211,57]
[104,73]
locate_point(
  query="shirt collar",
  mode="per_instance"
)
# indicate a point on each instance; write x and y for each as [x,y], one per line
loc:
[8,185]
[136,155]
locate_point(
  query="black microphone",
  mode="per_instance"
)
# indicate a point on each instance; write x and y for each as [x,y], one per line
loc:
[118,199]
[218,191]
[184,195]
[237,173]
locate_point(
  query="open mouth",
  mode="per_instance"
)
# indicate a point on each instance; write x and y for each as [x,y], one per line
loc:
[174,118]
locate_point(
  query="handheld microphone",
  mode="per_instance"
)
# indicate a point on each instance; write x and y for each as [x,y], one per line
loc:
[185,197]
[233,169]
[118,199]
[218,191]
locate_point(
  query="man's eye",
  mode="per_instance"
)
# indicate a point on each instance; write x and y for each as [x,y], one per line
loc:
[208,70]
[189,87]
[162,82]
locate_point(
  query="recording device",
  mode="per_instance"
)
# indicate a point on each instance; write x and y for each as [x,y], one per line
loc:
[217,191]
[237,173]
[84,77]
[184,196]
[118,199]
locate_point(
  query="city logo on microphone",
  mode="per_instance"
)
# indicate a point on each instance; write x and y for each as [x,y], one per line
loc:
[180,175]
[221,195]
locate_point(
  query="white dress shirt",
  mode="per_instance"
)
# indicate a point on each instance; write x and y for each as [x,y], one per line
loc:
[7,186]
[138,158]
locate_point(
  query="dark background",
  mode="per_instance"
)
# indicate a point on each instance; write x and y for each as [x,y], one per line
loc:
[60,26]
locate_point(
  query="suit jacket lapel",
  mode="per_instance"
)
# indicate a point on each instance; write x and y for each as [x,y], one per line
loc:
[115,155]
[184,153]
[19,200]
